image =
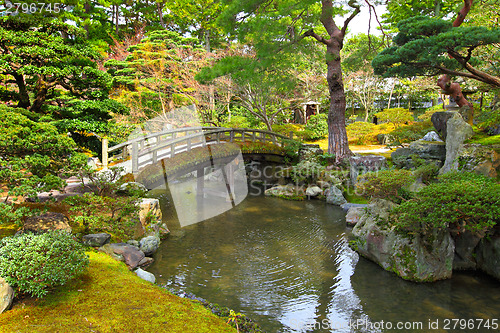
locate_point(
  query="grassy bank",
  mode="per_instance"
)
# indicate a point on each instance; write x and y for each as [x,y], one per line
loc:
[109,298]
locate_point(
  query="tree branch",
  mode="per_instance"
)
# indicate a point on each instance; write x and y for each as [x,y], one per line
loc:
[327,17]
[462,13]
[357,10]
[311,33]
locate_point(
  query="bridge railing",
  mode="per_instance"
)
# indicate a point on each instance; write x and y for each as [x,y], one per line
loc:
[153,147]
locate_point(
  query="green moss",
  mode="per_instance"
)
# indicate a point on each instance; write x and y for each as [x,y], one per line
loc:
[109,298]
[485,140]
[351,197]
[8,230]
[406,257]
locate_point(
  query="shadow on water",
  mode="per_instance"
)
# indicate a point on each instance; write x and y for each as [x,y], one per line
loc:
[287,265]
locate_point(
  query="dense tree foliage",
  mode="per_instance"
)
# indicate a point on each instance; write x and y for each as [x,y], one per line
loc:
[276,27]
[431,46]
[158,74]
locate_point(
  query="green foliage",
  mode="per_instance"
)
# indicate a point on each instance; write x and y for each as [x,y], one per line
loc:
[458,202]
[386,184]
[159,71]
[359,51]
[360,132]
[238,122]
[95,214]
[306,172]
[36,263]
[426,116]
[34,155]
[489,119]
[326,159]
[421,45]
[410,133]
[396,116]
[10,215]
[291,149]
[285,129]
[317,126]
[102,183]
[426,172]
[45,68]
[487,140]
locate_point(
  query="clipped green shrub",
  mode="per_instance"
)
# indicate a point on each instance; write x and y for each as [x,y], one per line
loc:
[410,133]
[385,184]
[426,116]
[458,202]
[238,122]
[317,126]
[285,129]
[36,263]
[397,116]
[361,132]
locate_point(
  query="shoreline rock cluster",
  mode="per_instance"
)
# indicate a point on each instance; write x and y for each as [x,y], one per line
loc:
[411,258]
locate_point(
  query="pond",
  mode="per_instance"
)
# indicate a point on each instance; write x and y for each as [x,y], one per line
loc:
[287,265]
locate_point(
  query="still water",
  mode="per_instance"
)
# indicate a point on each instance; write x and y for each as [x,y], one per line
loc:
[287,265]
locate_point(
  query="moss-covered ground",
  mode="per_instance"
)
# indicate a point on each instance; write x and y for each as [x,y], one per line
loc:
[109,298]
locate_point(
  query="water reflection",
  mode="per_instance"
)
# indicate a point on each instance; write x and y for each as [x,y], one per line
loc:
[288,266]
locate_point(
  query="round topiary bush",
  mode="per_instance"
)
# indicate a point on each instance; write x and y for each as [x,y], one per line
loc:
[35,263]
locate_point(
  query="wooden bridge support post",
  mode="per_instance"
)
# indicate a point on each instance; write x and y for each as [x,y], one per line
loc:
[104,152]
[200,181]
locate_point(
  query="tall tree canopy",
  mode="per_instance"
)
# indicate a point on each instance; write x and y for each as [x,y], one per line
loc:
[431,46]
[276,27]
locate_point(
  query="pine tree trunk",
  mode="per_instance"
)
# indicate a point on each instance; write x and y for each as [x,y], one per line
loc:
[24,98]
[337,134]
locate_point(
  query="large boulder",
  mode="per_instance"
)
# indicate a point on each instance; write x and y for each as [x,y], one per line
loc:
[129,254]
[96,240]
[313,191]
[353,215]
[6,295]
[334,196]
[484,160]
[457,132]
[349,205]
[363,164]
[150,211]
[488,256]
[401,157]
[131,187]
[440,121]
[47,222]
[429,150]
[409,257]
[149,245]
[465,251]
[285,191]
[149,215]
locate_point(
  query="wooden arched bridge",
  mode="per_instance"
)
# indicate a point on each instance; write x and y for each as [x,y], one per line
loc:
[150,148]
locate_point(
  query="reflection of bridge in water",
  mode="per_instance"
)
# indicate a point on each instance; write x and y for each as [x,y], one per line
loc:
[204,167]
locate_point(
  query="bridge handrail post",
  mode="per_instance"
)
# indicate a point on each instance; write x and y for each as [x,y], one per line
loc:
[104,151]
[135,157]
